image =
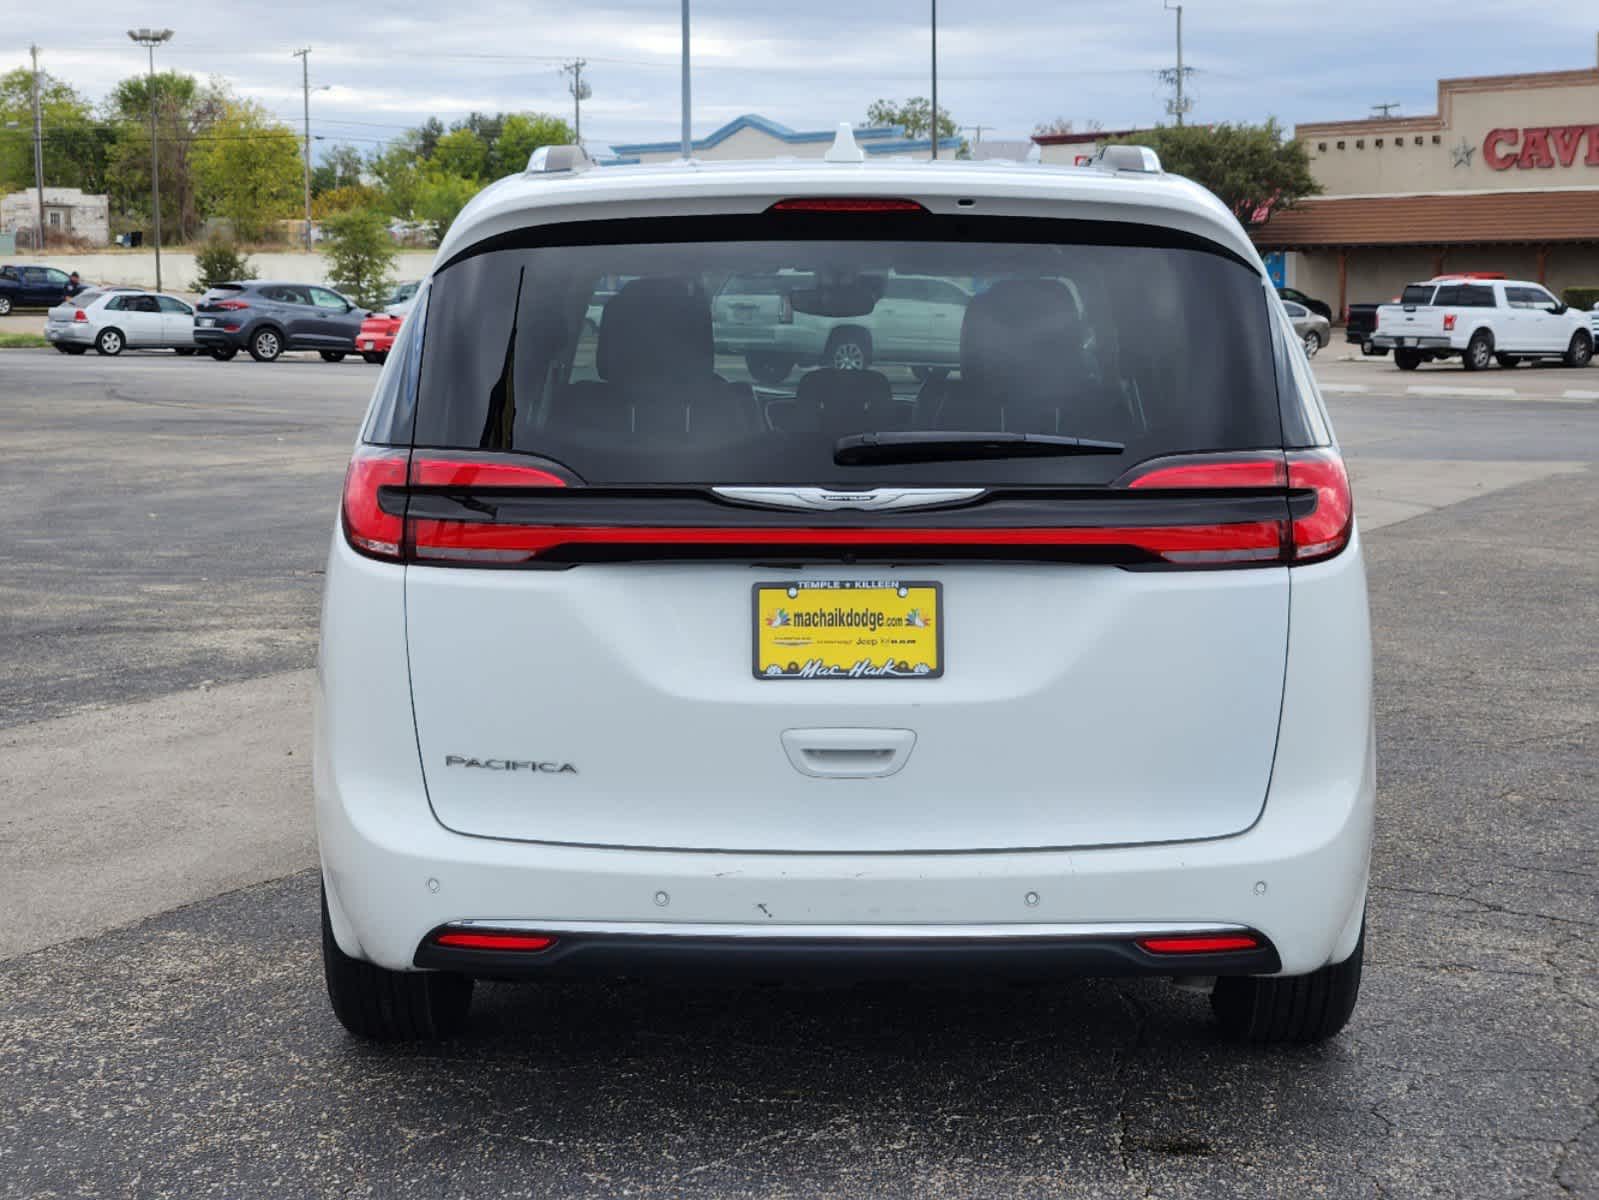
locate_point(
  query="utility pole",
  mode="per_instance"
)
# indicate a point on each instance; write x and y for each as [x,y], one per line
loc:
[150,39]
[934,123]
[1180,103]
[688,142]
[38,150]
[580,92]
[304,55]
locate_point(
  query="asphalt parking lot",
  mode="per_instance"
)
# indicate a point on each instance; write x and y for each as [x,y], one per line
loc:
[162,1026]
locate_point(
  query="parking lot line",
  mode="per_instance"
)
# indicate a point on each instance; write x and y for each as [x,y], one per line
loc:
[1445,389]
[1578,394]
[1345,387]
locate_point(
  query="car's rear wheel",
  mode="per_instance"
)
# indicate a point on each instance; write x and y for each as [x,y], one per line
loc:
[1507,360]
[266,345]
[391,1006]
[849,350]
[1290,1008]
[5,306]
[1479,351]
[376,356]
[223,353]
[1312,344]
[768,368]
[1580,352]
[110,342]
[333,356]
[1406,360]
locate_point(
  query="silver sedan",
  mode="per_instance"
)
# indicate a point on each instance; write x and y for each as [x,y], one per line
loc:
[116,319]
[1314,330]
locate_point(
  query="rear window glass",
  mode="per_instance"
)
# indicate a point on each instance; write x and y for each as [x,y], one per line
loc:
[1417,293]
[1164,348]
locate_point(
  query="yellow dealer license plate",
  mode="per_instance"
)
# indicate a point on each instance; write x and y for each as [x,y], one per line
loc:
[850,629]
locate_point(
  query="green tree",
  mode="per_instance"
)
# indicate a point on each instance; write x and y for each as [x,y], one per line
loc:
[914,115]
[185,111]
[219,261]
[341,167]
[248,169]
[360,255]
[440,197]
[427,136]
[398,170]
[523,133]
[1251,168]
[343,199]
[461,153]
[75,145]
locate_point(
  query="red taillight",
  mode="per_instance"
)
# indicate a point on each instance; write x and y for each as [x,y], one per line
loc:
[433,471]
[522,942]
[1199,943]
[1265,469]
[80,315]
[1449,321]
[231,305]
[846,204]
[366,526]
[1325,531]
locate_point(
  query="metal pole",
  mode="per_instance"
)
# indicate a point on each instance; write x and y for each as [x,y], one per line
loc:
[1179,65]
[155,173]
[38,149]
[688,141]
[305,88]
[935,79]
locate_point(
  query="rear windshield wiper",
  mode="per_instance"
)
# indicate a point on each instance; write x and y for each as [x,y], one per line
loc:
[915,446]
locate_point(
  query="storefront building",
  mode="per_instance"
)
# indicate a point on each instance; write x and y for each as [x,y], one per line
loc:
[1503,177]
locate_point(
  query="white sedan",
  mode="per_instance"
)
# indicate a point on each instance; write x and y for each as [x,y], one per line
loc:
[116,319]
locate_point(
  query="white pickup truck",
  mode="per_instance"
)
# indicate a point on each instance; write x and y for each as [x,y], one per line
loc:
[1481,320]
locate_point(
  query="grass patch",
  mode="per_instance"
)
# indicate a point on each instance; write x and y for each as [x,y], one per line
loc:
[22,341]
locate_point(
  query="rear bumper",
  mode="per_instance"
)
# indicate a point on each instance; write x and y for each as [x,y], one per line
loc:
[72,333]
[1390,341]
[394,875]
[208,337]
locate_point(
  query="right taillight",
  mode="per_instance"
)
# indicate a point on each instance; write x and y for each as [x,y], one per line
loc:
[231,305]
[1326,530]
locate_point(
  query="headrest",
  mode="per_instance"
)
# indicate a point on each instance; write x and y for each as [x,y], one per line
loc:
[840,399]
[657,327]
[1021,337]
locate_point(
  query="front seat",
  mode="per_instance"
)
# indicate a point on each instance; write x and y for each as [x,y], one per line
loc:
[831,400]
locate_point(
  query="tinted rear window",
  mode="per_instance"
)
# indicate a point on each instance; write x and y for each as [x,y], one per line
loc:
[1417,293]
[1070,329]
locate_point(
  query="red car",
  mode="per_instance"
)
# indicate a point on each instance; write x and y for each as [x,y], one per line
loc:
[376,337]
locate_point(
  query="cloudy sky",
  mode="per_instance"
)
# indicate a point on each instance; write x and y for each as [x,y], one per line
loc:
[1004,64]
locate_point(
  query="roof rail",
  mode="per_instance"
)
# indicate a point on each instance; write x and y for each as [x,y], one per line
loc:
[548,160]
[1127,158]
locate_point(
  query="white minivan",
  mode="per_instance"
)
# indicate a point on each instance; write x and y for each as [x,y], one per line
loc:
[1057,663]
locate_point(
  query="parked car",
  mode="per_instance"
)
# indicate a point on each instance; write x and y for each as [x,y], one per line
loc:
[755,315]
[1359,326]
[116,319]
[1295,296]
[1481,320]
[1312,329]
[398,301]
[32,287]
[268,318]
[378,331]
[625,665]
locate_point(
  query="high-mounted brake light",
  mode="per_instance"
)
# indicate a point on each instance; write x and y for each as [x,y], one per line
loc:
[525,943]
[846,204]
[1200,943]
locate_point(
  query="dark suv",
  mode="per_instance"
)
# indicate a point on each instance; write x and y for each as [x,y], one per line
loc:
[268,318]
[32,287]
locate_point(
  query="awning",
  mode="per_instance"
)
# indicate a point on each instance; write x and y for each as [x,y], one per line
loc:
[1434,220]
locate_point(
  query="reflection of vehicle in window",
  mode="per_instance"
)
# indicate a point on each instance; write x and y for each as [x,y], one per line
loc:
[915,322]
[1055,659]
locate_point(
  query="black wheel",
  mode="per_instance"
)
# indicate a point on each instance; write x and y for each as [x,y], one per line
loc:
[376,356]
[1580,352]
[184,351]
[1312,343]
[1371,350]
[73,350]
[1507,360]
[266,345]
[5,306]
[110,342]
[849,350]
[391,1006]
[768,368]
[223,353]
[60,349]
[1479,351]
[1291,1008]
[1406,360]
[333,356]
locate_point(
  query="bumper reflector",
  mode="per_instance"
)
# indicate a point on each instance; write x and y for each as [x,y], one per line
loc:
[1200,944]
[526,942]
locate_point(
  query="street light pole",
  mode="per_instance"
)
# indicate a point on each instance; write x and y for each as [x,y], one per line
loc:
[934,126]
[38,149]
[150,39]
[304,55]
[688,144]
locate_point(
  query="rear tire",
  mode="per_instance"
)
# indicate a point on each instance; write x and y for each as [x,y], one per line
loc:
[223,353]
[5,306]
[391,1006]
[333,356]
[1406,360]
[1580,352]
[110,342]
[768,368]
[1507,361]
[266,345]
[849,350]
[1312,344]
[1479,351]
[378,357]
[1292,1008]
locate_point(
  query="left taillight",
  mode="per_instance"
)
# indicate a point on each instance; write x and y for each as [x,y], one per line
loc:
[367,527]
[80,315]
